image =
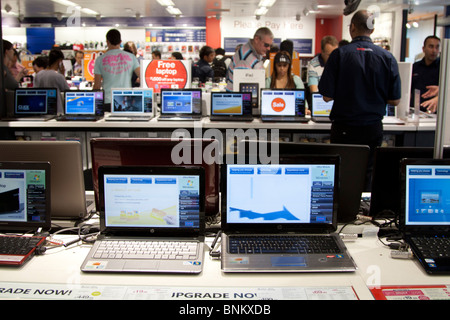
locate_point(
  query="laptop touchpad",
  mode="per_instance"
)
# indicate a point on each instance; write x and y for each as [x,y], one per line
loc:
[140,264]
[288,261]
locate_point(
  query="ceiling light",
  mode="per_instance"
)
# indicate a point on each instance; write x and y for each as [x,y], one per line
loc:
[415,24]
[66,3]
[408,26]
[266,3]
[89,11]
[166,3]
[173,11]
[305,11]
[261,11]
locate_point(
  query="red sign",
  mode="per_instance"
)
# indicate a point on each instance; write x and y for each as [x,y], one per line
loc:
[278,105]
[162,74]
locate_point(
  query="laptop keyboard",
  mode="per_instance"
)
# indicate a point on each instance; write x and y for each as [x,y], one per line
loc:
[18,245]
[433,247]
[128,249]
[290,244]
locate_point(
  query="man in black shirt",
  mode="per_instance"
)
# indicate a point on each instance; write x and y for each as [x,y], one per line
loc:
[361,78]
[425,73]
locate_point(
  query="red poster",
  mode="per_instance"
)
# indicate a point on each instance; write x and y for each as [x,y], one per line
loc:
[166,74]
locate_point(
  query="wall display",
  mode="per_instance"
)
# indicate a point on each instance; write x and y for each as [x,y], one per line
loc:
[175,35]
[167,74]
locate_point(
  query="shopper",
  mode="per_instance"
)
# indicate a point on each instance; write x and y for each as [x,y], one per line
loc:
[114,68]
[53,75]
[282,77]
[176,56]
[78,65]
[425,73]
[251,55]
[361,78]
[156,55]
[39,64]
[202,69]
[131,47]
[316,65]
[8,56]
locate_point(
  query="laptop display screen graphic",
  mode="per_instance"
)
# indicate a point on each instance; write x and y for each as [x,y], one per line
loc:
[132,101]
[231,103]
[280,193]
[37,101]
[22,195]
[152,201]
[427,195]
[283,102]
[180,102]
[83,102]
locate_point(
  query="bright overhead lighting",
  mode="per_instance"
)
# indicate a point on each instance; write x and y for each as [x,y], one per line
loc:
[166,3]
[415,24]
[261,11]
[305,11]
[66,3]
[173,10]
[266,3]
[89,11]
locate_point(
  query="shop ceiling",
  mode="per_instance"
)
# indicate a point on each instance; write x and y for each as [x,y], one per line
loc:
[206,8]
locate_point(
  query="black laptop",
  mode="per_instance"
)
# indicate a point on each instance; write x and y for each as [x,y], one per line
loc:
[232,106]
[283,105]
[35,104]
[425,212]
[181,104]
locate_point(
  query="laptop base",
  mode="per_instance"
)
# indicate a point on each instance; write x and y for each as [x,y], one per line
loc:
[231,118]
[284,119]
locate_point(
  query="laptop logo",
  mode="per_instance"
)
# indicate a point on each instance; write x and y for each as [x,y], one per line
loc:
[278,105]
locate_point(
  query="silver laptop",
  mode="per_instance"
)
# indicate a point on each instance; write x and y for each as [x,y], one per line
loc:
[83,105]
[320,110]
[282,218]
[231,106]
[283,105]
[181,104]
[68,196]
[153,220]
[131,105]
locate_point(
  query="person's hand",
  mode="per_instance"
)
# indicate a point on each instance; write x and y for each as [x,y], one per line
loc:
[430,105]
[432,92]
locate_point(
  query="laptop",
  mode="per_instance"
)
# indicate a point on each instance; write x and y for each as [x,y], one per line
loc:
[68,192]
[83,105]
[24,207]
[161,152]
[385,190]
[152,206]
[391,115]
[131,105]
[35,104]
[295,202]
[351,173]
[283,105]
[320,110]
[181,104]
[425,212]
[233,106]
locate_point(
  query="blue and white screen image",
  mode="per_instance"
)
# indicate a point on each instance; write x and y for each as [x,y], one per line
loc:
[80,102]
[427,195]
[278,193]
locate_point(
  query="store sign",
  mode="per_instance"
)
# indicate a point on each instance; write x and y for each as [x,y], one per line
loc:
[166,74]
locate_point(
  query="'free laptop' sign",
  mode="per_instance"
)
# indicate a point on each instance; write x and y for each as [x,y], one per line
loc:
[166,74]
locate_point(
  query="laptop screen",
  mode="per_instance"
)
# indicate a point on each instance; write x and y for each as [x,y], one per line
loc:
[24,195]
[232,103]
[279,102]
[320,108]
[427,194]
[280,194]
[145,197]
[181,101]
[35,101]
[132,101]
[84,102]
